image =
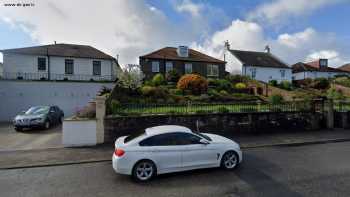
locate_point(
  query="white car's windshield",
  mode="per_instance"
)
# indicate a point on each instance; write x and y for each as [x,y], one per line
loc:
[37,110]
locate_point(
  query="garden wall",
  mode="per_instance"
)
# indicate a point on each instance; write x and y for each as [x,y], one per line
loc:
[222,124]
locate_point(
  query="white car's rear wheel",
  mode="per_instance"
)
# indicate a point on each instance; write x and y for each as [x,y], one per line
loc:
[229,160]
[144,170]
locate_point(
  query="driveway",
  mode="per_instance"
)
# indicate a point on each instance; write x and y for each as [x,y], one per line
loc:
[29,139]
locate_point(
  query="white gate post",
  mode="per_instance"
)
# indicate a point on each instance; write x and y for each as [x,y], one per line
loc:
[100,115]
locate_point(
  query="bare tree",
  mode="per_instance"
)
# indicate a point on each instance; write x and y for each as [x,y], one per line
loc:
[130,77]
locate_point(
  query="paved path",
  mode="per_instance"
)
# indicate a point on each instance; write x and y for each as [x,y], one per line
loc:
[313,170]
[29,139]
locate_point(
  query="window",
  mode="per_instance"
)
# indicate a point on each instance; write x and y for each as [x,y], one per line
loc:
[69,66]
[155,67]
[96,67]
[41,63]
[171,139]
[168,66]
[283,73]
[188,68]
[253,72]
[213,70]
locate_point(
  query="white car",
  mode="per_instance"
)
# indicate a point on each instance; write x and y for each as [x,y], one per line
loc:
[172,148]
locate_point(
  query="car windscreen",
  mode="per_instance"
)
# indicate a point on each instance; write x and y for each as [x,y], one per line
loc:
[133,136]
[203,136]
[37,110]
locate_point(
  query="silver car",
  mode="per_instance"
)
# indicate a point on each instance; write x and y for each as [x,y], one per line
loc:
[38,117]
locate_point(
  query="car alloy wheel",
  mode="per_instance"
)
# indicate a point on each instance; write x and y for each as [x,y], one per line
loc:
[144,170]
[229,160]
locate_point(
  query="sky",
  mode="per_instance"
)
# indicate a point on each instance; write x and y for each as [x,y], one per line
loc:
[295,30]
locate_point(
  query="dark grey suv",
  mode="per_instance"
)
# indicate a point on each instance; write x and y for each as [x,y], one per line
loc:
[38,117]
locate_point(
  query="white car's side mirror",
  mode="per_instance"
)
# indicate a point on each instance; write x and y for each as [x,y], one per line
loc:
[203,141]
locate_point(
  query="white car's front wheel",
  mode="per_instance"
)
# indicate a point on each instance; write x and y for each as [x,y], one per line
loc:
[229,160]
[144,170]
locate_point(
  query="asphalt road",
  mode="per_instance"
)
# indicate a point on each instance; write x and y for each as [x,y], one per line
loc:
[312,170]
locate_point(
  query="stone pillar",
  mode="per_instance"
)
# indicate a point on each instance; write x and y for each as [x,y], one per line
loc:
[100,115]
[330,114]
[344,118]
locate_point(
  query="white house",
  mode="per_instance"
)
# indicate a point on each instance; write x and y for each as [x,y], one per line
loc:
[316,69]
[59,62]
[262,66]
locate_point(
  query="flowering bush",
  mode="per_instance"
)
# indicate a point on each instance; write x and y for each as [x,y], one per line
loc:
[240,86]
[194,83]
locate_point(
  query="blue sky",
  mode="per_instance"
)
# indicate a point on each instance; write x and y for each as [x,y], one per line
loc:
[296,30]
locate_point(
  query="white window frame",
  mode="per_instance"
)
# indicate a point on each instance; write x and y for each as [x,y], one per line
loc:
[96,64]
[45,66]
[211,70]
[155,66]
[188,68]
[168,66]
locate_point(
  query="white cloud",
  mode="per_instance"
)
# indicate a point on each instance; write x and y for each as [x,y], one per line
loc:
[279,10]
[293,40]
[189,7]
[124,27]
[291,48]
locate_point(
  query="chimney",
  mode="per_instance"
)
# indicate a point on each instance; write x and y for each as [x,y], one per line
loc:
[55,42]
[227,45]
[267,49]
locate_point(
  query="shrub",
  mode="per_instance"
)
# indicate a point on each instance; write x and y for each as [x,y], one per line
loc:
[220,84]
[320,83]
[273,83]
[114,106]
[286,85]
[175,91]
[223,84]
[104,91]
[172,76]
[154,92]
[240,86]
[213,92]
[147,90]
[344,81]
[237,78]
[223,110]
[276,99]
[148,83]
[224,93]
[193,82]
[333,93]
[158,80]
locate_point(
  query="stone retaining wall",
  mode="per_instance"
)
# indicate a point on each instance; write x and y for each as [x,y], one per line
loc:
[223,124]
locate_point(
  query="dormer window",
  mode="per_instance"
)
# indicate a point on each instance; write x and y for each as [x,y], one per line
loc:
[182,51]
[323,63]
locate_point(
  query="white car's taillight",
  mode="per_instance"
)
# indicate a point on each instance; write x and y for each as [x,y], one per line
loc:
[119,152]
